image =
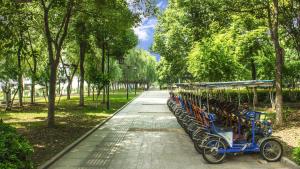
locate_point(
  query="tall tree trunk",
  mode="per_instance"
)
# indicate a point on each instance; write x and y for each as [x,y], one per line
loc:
[20,74]
[89,89]
[32,92]
[103,69]
[69,88]
[59,87]
[46,89]
[108,103]
[52,80]
[93,92]
[33,70]
[274,26]
[103,96]
[107,98]
[33,79]
[52,94]
[78,85]
[70,78]
[82,56]
[8,100]
[7,94]
[254,76]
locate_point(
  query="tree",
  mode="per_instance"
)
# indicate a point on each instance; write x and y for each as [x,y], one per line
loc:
[290,21]
[164,73]
[28,28]
[273,21]
[15,26]
[81,30]
[140,67]
[70,65]
[113,33]
[173,38]
[8,74]
[253,47]
[93,73]
[291,68]
[150,70]
[56,18]
[212,60]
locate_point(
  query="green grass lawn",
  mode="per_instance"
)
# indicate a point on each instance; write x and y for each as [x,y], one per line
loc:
[71,121]
[38,112]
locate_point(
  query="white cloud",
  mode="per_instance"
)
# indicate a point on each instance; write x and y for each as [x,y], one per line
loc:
[141,33]
[143,30]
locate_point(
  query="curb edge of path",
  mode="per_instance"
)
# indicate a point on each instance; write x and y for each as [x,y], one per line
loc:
[48,163]
[289,163]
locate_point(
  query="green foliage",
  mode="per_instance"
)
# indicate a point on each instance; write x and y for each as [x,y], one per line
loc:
[164,73]
[224,40]
[212,61]
[15,151]
[115,72]
[139,66]
[296,155]
[291,67]
[252,46]
[173,39]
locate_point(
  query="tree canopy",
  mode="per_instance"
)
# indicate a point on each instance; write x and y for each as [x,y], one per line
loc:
[229,40]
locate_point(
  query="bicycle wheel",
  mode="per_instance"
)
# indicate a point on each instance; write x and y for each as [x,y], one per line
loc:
[198,147]
[210,151]
[271,150]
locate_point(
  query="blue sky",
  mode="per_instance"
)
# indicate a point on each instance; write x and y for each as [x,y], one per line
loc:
[146,30]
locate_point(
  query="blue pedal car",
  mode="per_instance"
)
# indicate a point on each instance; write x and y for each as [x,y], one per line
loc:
[216,146]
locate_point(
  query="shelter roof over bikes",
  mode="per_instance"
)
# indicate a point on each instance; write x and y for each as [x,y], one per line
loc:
[230,84]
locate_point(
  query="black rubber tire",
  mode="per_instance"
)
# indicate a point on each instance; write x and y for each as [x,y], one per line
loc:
[262,150]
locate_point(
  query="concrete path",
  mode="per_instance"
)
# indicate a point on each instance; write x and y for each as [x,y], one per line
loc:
[145,135]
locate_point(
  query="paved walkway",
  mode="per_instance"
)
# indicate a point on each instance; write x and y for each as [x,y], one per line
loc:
[145,135]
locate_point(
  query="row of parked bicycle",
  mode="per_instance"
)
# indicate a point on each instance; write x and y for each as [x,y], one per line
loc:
[218,128]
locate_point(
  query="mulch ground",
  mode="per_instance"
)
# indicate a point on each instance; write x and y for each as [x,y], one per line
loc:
[290,133]
[47,142]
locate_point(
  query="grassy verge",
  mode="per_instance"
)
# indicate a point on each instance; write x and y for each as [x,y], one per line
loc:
[72,122]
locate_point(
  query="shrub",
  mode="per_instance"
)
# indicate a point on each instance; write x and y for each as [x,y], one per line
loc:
[296,155]
[15,151]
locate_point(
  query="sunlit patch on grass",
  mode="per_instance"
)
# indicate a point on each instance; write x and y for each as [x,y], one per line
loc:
[103,114]
[18,126]
[39,146]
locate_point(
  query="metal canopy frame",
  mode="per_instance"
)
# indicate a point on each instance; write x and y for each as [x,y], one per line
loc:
[231,84]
